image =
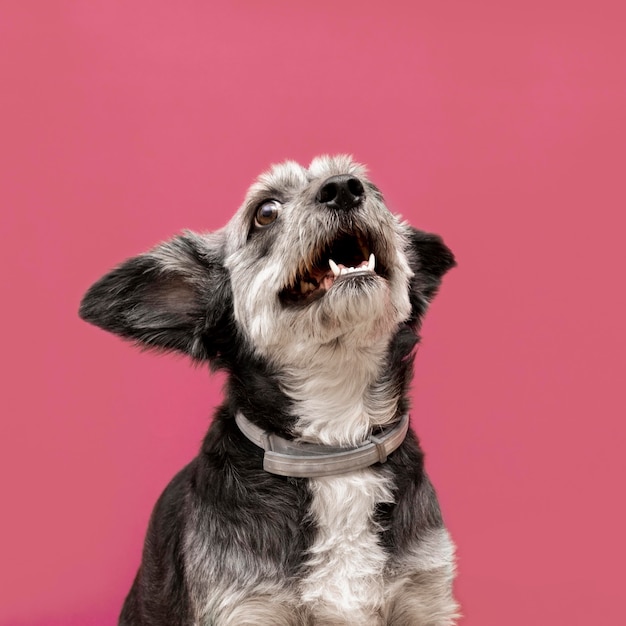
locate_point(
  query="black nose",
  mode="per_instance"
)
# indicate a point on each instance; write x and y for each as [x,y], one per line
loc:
[342,192]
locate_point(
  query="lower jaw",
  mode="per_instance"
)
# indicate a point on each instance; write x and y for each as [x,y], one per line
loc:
[354,281]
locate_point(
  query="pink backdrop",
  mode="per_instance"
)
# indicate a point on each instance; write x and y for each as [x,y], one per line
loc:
[500,125]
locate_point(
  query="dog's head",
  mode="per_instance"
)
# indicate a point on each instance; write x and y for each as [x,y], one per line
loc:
[312,257]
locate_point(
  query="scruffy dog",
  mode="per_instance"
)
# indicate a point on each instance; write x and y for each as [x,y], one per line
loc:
[308,503]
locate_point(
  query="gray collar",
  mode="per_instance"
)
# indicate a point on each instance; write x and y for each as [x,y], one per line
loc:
[309,460]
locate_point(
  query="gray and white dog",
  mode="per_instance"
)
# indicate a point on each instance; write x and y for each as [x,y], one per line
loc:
[308,503]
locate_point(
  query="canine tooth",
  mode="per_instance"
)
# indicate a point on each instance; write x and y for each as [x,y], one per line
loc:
[334,267]
[371,264]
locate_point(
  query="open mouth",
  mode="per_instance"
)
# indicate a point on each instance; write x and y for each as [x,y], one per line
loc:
[349,257]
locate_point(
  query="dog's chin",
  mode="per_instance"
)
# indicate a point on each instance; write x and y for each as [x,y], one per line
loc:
[354,311]
[356,307]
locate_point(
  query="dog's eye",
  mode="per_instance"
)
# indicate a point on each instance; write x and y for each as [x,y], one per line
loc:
[266,213]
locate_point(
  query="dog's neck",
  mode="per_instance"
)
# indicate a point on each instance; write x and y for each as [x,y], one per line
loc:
[339,393]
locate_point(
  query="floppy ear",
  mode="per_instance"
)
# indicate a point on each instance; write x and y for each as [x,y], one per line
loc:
[430,259]
[175,297]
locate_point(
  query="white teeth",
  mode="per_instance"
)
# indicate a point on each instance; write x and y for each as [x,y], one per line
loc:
[341,271]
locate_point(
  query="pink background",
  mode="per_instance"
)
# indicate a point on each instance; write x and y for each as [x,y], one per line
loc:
[499,125]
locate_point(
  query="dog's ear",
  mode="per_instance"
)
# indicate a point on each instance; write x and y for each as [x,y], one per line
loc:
[175,297]
[430,259]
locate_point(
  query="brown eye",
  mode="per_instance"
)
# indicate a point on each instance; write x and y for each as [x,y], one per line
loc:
[266,213]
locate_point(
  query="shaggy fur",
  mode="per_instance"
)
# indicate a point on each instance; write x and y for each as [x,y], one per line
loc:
[314,355]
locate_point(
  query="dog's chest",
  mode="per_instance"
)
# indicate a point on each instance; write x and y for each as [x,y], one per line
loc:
[344,575]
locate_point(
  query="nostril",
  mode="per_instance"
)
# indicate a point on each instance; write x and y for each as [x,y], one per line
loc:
[327,192]
[355,187]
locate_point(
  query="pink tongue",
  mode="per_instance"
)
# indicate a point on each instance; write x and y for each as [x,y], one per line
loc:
[327,282]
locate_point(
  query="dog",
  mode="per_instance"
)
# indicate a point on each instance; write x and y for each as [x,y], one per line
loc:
[308,503]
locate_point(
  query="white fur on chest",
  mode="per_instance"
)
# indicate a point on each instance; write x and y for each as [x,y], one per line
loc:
[346,562]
